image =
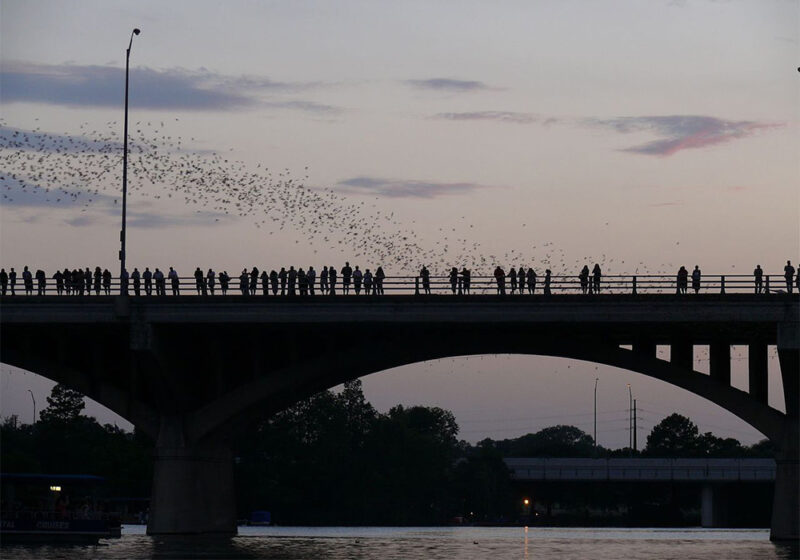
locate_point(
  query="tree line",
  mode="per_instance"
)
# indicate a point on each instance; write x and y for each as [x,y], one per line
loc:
[334,459]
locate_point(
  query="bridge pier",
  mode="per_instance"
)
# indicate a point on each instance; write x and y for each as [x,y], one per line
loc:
[193,490]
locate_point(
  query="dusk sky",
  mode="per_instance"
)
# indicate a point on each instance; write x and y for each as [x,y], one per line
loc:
[639,135]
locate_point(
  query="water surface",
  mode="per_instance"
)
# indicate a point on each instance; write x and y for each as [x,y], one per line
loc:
[429,543]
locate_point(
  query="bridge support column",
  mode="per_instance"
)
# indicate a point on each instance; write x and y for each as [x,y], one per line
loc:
[193,491]
[714,502]
[757,372]
[682,355]
[720,362]
[786,504]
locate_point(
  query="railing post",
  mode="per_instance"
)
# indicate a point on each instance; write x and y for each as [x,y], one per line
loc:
[416,286]
[722,284]
[634,286]
[766,289]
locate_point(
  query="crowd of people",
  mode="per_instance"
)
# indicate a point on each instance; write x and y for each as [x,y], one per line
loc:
[300,282]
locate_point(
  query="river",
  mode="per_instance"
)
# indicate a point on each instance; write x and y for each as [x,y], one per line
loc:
[429,543]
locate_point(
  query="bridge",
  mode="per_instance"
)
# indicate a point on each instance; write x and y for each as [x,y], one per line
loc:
[715,477]
[189,370]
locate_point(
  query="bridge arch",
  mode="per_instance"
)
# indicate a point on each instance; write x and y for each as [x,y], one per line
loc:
[303,380]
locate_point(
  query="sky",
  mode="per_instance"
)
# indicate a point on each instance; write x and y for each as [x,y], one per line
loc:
[639,135]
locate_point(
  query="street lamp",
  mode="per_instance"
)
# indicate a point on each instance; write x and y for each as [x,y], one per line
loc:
[125,157]
[34,406]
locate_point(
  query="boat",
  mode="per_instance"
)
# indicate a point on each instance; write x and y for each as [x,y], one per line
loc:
[54,508]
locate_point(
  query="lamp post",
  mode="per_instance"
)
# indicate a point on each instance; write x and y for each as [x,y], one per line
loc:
[595,413]
[125,157]
[34,406]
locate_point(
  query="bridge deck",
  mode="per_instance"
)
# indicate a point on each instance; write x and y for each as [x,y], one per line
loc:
[687,470]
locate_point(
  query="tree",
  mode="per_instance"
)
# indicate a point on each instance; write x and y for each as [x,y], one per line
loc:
[555,441]
[63,405]
[674,436]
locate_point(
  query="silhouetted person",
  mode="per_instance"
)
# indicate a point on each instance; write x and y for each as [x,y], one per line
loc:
[367,282]
[788,274]
[758,277]
[453,279]
[512,279]
[136,278]
[531,280]
[124,277]
[584,279]
[12,280]
[465,279]
[283,276]
[87,280]
[347,274]
[147,276]
[302,282]
[264,282]
[696,279]
[521,280]
[500,279]
[106,282]
[254,281]
[426,280]
[244,282]
[224,282]
[547,279]
[175,281]
[41,282]
[210,280]
[292,277]
[4,282]
[198,280]
[596,277]
[311,278]
[380,276]
[357,279]
[77,281]
[273,281]
[323,280]
[27,281]
[160,281]
[58,277]
[332,281]
[683,280]
[98,280]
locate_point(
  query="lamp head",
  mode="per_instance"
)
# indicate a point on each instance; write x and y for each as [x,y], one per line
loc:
[136,31]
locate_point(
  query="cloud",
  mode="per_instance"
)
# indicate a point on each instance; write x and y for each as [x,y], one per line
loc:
[148,220]
[681,132]
[176,88]
[499,116]
[446,84]
[19,195]
[404,188]
[33,140]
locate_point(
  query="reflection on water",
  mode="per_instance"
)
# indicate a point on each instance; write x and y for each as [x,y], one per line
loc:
[409,543]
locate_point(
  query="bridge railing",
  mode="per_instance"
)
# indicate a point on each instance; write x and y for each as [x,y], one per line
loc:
[438,285]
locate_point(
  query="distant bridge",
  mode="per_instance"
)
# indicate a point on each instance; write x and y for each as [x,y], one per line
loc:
[642,469]
[716,477]
[190,370]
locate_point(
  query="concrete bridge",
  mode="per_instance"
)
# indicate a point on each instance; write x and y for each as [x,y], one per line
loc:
[189,370]
[716,479]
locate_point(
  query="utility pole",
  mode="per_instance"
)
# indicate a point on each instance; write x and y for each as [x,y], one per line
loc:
[595,414]
[634,424]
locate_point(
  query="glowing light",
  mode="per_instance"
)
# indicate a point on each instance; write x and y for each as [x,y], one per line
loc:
[55,488]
